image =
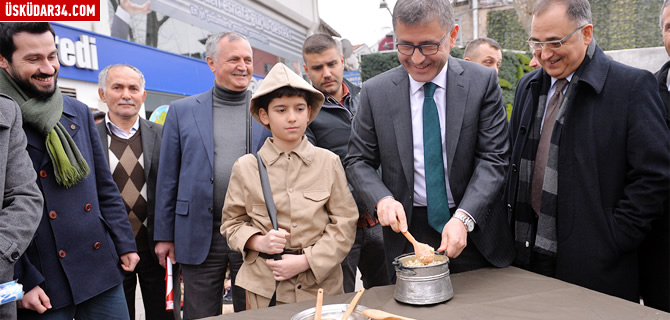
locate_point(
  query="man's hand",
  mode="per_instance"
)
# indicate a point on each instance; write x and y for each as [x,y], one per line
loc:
[163,250]
[391,213]
[129,261]
[454,238]
[35,299]
[287,268]
[135,8]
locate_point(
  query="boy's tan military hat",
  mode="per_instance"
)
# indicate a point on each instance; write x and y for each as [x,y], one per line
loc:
[282,76]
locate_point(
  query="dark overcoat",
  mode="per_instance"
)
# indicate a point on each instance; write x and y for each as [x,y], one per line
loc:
[613,172]
[74,255]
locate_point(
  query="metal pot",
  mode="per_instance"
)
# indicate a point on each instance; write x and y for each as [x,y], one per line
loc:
[422,284]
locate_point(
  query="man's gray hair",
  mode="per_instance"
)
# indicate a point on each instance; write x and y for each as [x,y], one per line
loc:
[102,76]
[578,11]
[660,19]
[212,44]
[420,12]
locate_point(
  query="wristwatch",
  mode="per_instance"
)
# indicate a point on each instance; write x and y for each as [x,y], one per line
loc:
[467,221]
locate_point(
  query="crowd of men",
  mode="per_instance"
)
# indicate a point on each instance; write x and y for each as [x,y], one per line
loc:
[575,186]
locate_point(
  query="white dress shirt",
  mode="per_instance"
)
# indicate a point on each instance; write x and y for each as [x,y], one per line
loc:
[416,96]
[120,132]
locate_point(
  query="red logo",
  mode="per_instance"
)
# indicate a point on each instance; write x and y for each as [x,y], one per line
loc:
[50,10]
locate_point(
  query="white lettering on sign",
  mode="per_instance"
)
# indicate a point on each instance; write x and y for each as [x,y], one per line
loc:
[82,53]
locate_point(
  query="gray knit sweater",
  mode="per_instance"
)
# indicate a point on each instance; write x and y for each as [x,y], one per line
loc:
[230,118]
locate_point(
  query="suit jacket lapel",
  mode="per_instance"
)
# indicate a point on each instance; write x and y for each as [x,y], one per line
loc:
[148,132]
[102,132]
[400,110]
[203,117]
[457,93]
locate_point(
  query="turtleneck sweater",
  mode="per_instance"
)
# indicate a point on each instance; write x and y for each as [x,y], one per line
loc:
[230,115]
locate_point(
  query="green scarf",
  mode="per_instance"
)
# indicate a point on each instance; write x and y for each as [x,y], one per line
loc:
[70,167]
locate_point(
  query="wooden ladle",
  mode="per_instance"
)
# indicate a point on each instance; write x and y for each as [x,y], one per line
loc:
[423,252]
[383,315]
[352,304]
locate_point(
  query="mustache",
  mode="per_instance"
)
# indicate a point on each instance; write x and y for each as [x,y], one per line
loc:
[44,75]
[127,102]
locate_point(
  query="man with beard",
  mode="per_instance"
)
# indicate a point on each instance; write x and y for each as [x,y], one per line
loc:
[73,267]
[324,65]
[203,135]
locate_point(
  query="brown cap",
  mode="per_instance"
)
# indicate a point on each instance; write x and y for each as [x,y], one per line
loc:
[282,76]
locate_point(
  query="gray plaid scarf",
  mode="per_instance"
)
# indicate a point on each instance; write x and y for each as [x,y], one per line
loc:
[542,237]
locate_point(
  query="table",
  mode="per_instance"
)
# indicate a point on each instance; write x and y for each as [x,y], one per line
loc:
[508,293]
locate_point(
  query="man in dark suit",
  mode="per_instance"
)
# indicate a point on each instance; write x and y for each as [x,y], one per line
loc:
[655,250]
[73,267]
[662,75]
[440,180]
[590,156]
[132,145]
[195,165]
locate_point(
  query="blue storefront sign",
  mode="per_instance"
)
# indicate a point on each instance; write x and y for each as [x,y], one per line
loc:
[83,54]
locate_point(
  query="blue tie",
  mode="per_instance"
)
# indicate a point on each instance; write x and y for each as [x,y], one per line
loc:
[436,187]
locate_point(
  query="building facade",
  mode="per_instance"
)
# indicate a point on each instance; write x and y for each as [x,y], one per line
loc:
[168,42]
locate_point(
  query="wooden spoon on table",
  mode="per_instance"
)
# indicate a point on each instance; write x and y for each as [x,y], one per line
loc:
[319,304]
[383,315]
[423,252]
[352,304]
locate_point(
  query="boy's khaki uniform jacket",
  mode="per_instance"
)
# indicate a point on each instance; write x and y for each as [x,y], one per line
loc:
[314,205]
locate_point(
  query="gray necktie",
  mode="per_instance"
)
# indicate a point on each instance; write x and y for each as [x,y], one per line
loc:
[543,146]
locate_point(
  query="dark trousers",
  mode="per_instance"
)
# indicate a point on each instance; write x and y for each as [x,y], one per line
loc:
[367,254]
[152,283]
[469,259]
[108,305]
[203,283]
[654,259]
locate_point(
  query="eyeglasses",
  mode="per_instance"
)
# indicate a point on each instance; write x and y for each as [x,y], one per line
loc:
[538,45]
[425,49]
